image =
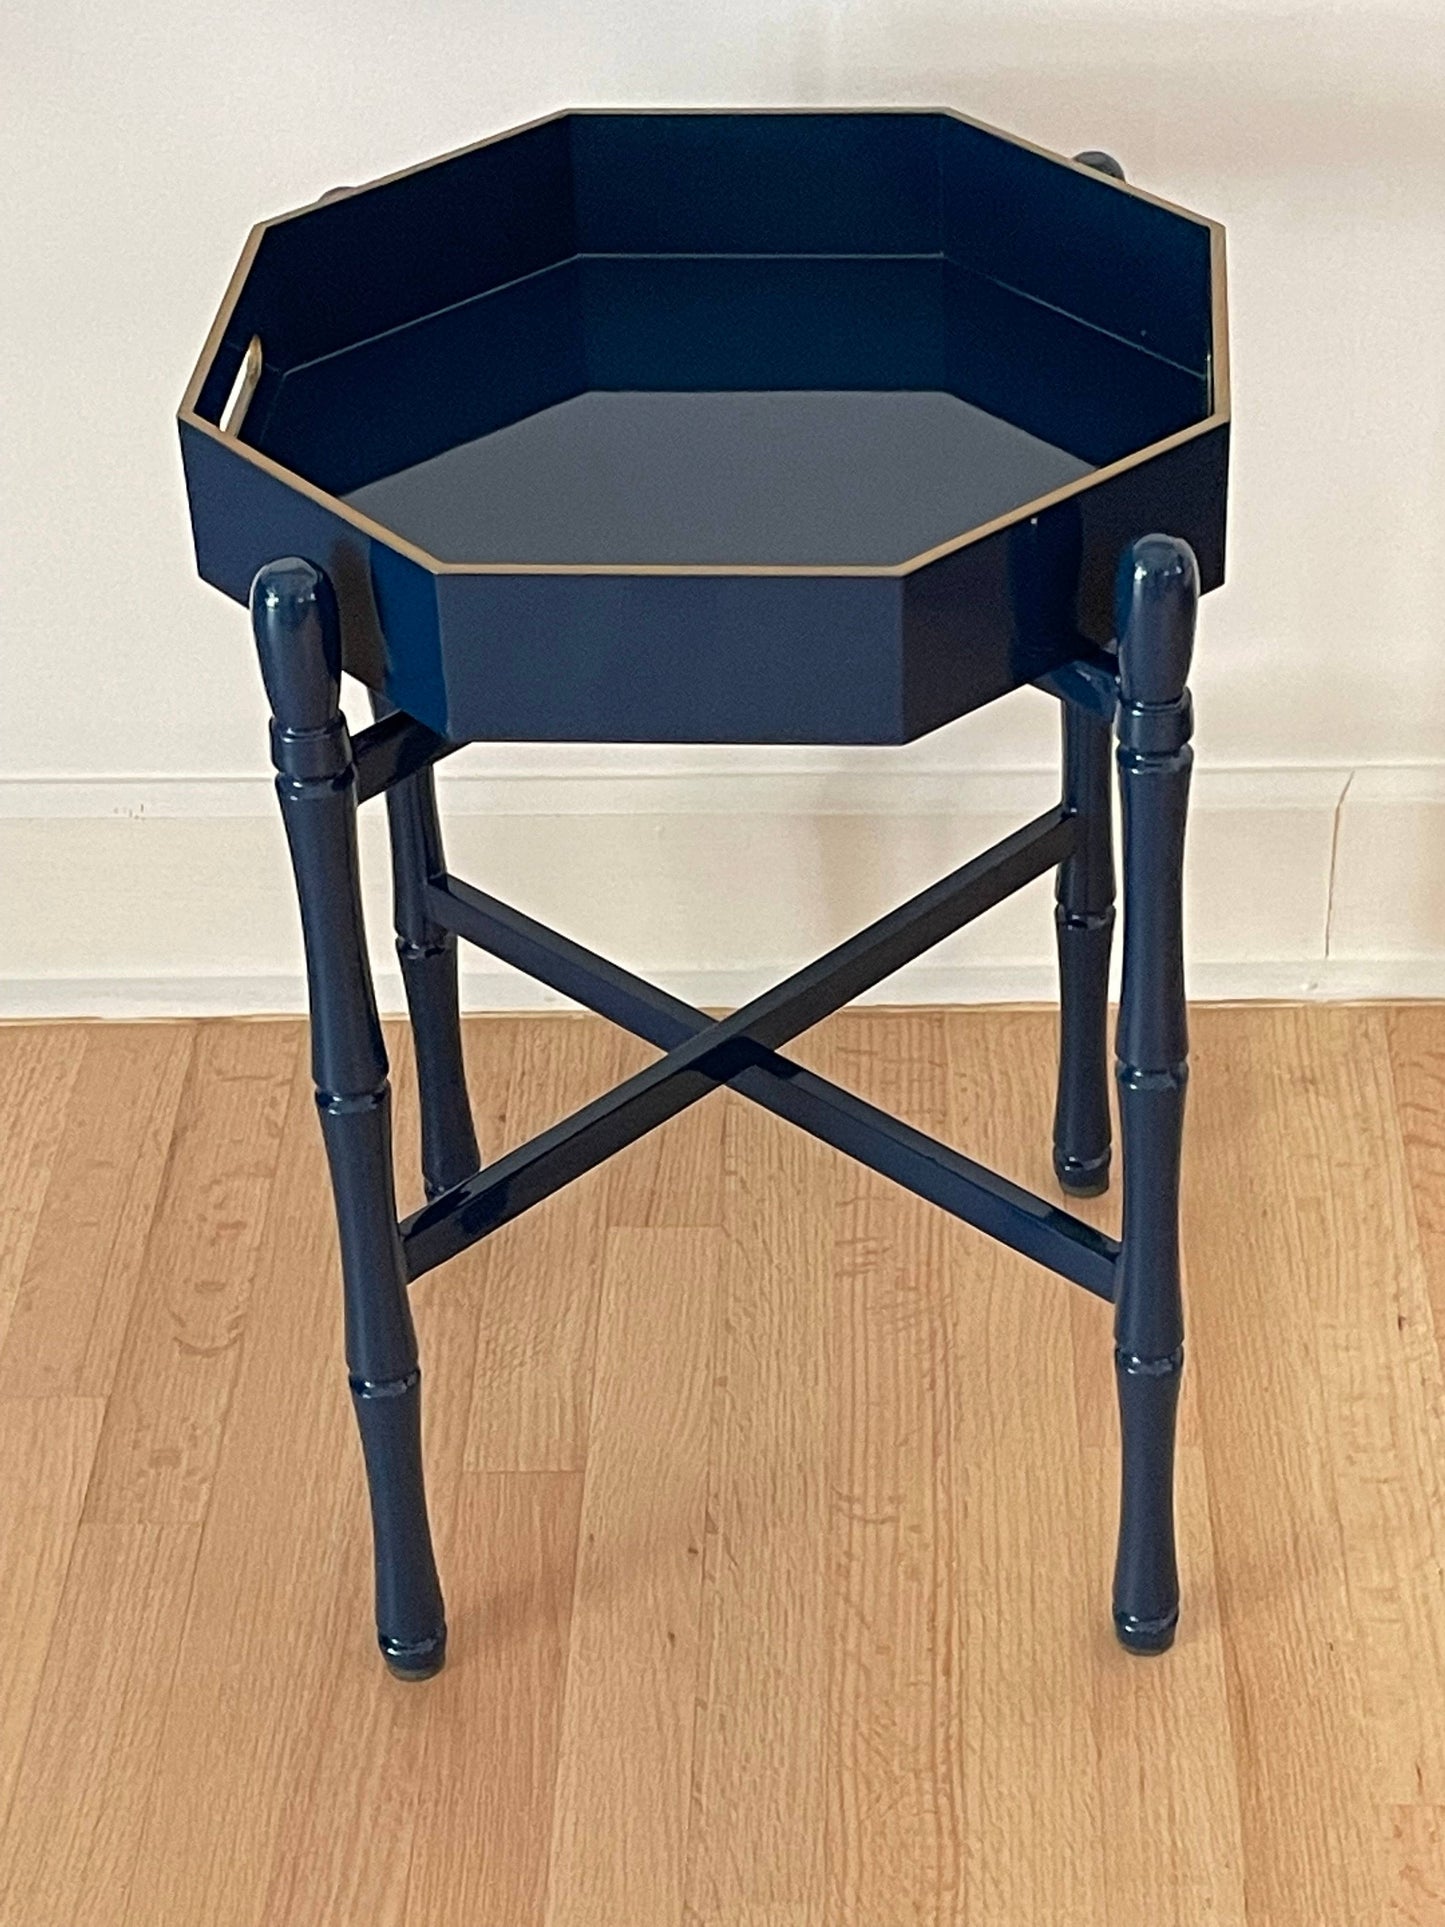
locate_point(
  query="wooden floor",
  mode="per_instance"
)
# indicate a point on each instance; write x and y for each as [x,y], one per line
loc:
[775,1509]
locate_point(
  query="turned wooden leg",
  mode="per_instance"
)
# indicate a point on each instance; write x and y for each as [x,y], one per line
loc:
[1158,597]
[1084,916]
[428,956]
[294,617]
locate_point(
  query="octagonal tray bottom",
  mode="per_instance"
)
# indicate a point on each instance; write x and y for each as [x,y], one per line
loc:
[778,477]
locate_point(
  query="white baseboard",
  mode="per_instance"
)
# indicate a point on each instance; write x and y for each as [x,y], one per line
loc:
[148,999]
[649,782]
[153,897]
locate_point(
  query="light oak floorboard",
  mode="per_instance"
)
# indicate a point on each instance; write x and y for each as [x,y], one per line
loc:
[676,1175]
[94,1747]
[1032,1583]
[488,1772]
[38,1067]
[533,1378]
[1170,1838]
[756,1835]
[621,1817]
[775,1510]
[1259,1227]
[182,1344]
[1417,1866]
[894,1846]
[89,1245]
[47,1447]
[1383,1379]
[1416,1035]
[284,1511]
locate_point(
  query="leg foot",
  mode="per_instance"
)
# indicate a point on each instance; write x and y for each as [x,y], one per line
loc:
[410,1618]
[1082,1179]
[1146,1636]
[423,1661]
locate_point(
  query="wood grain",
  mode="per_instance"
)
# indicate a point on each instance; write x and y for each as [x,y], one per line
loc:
[182,1344]
[1417,1866]
[1416,1036]
[38,1067]
[47,1446]
[284,1510]
[89,1243]
[94,1751]
[489,1769]
[775,1510]
[621,1818]
[1173,1852]
[1035,1586]
[1259,1229]
[676,1175]
[756,1841]
[544,1273]
[1384,1383]
[898,1576]
[1170,1838]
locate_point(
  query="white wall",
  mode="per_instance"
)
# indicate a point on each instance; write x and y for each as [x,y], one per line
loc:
[138,863]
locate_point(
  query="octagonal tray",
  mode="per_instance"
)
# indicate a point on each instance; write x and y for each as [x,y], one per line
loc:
[716,426]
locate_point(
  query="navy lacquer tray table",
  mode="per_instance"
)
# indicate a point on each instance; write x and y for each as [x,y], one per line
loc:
[739,427]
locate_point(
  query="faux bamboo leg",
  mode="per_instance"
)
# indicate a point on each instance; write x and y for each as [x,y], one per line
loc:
[294,618]
[428,956]
[1084,916]
[1158,597]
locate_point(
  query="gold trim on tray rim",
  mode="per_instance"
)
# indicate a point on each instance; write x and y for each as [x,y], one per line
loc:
[242,390]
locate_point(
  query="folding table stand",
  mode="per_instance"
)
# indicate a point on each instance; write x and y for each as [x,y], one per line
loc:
[323,774]
[734,427]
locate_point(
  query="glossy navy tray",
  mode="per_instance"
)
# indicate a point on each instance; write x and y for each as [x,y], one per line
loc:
[716,426]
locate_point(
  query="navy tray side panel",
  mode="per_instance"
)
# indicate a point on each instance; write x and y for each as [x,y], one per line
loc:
[1079,242]
[1181,492]
[1006,609]
[243,517]
[990,617]
[351,268]
[673,659]
[756,183]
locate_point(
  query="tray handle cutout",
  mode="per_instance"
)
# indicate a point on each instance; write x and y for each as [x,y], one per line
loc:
[243,389]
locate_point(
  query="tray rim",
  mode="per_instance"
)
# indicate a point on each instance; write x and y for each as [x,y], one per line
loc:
[1219,371]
